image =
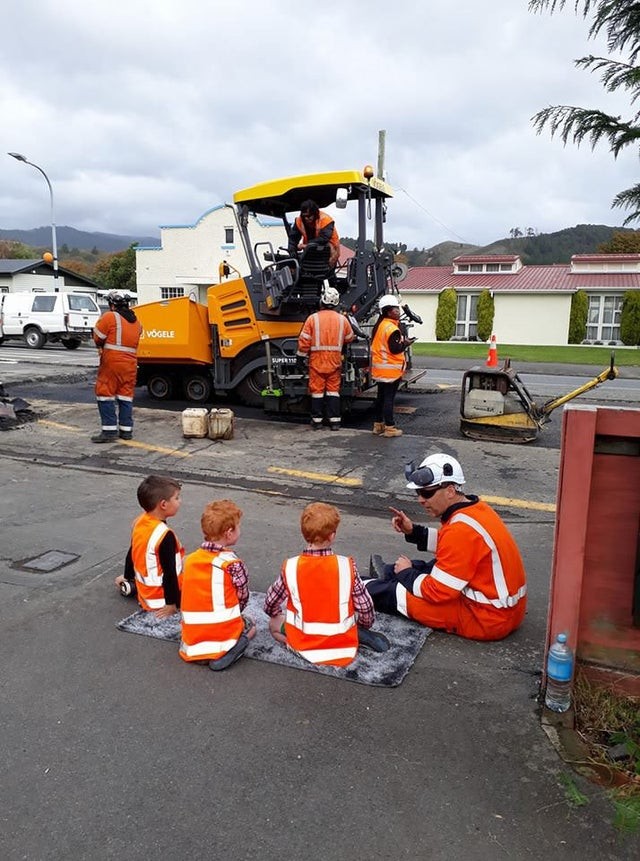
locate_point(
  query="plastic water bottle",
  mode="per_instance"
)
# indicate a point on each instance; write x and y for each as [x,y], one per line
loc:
[559,672]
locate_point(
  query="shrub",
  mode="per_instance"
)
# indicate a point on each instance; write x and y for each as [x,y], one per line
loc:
[446,314]
[486,312]
[630,318]
[578,317]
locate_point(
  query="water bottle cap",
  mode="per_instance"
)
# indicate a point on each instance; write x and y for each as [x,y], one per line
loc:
[561,638]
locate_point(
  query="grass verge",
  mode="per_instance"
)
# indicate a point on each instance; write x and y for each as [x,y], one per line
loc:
[571,355]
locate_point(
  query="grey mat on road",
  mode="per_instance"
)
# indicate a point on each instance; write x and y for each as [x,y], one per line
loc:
[386,669]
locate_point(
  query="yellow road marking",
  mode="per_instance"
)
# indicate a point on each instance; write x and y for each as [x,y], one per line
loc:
[58,425]
[519,503]
[405,411]
[134,444]
[317,476]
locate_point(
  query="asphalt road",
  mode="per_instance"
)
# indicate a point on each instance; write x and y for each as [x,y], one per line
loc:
[113,747]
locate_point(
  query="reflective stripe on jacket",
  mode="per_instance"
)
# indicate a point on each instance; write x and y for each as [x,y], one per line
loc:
[385,365]
[478,564]
[323,336]
[320,622]
[113,332]
[211,617]
[146,537]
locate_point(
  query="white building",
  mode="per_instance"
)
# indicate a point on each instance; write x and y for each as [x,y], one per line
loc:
[188,259]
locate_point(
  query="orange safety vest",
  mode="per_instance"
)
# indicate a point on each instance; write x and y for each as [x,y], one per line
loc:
[211,617]
[478,565]
[385,365]
[323,336]
[322,221]
[146,536]
[320,622]
[113,332]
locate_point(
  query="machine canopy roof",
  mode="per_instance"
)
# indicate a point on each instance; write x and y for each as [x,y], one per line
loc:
[279,196]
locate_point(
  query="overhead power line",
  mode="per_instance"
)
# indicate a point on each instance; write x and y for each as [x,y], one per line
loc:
[432,216]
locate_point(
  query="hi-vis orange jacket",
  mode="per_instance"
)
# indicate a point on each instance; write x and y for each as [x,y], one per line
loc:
[211,618]
[119,339]
[385,365]
[322,223]
[146,536]
[478,580]
[323,336]
[320,623]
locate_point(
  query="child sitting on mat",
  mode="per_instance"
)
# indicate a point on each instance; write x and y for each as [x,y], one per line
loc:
[328,608]
[215,591]
[154,562]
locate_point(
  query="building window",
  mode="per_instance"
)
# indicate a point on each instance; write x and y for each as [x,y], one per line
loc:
[603,319]
[467,316]
[493,267]
[475,267]
[463,267]
[506,267]
[171,292]
[228,236]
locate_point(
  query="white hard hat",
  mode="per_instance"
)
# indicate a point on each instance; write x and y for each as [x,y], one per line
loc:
[329,296]
[434,470]
[389,300]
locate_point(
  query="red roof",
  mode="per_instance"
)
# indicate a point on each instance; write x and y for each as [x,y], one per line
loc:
[605,258]
[486,258]
[529,279]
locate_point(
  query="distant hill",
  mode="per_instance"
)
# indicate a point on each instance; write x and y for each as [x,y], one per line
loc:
[40,237]
[544,248]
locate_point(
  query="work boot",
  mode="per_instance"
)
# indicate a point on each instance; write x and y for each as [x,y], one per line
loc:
[391,430]
[126,435]
[378,428]
[373,640]
[234,653]
[104,437]
[334,426]
[316,425]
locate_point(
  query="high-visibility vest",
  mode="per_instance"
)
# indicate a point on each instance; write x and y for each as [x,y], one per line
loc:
[113,332]
[146,537]
[479,564]
[323,336]
[385,365]
[211,617]
[322,221]
[320,622]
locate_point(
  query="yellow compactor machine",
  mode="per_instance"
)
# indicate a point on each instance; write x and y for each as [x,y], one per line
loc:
[244,340]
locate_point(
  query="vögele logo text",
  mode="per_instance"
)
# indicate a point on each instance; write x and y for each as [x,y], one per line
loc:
[159,333]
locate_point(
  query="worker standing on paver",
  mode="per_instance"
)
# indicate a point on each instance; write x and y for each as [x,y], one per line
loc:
[116,335]
[322,340]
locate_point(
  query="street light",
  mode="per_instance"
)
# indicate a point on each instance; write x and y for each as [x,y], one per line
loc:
[54,241]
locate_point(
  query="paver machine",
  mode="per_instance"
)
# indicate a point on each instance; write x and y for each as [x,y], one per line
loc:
[244,340]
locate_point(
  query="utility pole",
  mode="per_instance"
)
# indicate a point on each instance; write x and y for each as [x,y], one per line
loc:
[381,141]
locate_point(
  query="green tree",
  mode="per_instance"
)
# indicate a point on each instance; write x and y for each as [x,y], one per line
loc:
[118,271]
[620,21]
[486,311]
[578,317]
[630,319]
[11,250]
[622,242]
[446,314]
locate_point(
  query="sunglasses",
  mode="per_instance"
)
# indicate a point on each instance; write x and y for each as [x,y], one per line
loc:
[423,493]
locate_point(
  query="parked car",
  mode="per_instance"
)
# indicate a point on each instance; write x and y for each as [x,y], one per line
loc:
[39,318]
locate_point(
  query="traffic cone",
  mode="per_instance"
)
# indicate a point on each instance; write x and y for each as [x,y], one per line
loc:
[492,358]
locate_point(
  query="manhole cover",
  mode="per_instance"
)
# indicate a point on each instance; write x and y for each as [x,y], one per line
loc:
[46,562]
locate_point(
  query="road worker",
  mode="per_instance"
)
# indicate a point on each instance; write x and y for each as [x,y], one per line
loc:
[322,339]
[116,334]
[387,364]
[314,229]
[475,586]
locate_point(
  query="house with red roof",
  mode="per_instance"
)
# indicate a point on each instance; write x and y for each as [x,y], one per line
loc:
[532,303]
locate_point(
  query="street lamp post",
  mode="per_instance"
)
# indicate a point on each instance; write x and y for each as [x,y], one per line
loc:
[54,240]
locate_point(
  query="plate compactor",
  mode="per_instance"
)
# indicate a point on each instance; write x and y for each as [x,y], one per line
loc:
[495,404]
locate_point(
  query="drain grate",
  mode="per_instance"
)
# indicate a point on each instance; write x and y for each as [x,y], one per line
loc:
[52,560]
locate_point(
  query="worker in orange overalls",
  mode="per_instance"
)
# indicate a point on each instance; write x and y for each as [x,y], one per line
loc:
[314,229]
[322,340]
[388,345]
[476,585]
[116,335]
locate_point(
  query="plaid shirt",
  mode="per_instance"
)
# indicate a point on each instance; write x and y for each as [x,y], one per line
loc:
[362,602]
[236,570]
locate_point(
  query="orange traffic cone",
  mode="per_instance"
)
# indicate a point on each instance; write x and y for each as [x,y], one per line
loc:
[492,358]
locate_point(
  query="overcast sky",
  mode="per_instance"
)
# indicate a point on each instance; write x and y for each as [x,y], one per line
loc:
[150,113]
